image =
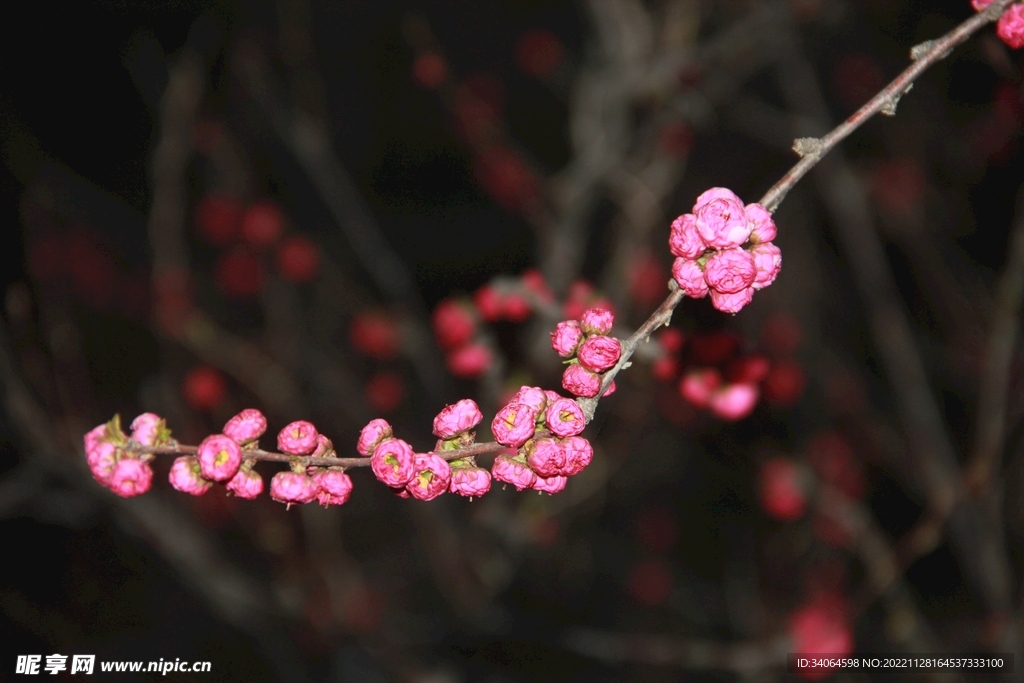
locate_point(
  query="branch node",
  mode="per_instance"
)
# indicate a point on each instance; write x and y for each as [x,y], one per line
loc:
[889,108]
[807,147]
[921,49]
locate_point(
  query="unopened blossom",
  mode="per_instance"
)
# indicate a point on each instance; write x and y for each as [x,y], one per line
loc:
[247,484]
[94,436]
[566,338]
[762,225]
[546,457]
[291,487]
[514,425]
[979,5]
[102,460]
[333,487]
[684,241]
[565,418]
[721,219]
[371,435]
[432,478]
[298,438]
[732,303]
[597,320]
[610,390]
[535,397]
[1011,26]
[781,489]
[131,477]
[149,429]
[324,447]
[511,471]
[697,385]
[246,427]
[457,418]
[453,324]
[219,457]
[471,482]
[185,476]
[550,485]
[579,381]
[734,401]
[470,361]
[552,395]
[730,271]
[690,277]
[768,262]
[487,300]
[599,352]
[578,454]
[393,462]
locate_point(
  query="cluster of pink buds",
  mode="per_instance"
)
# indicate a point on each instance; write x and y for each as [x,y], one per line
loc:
[588,350]
[541,462]
[724,248]
[1010,27]
[111,460]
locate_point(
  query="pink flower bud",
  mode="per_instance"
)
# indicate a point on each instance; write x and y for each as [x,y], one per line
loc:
[372,434]
[457,418]
[546,457]
[470,361]
[246,427]
[721,219]
[247,484]
[453,324]
[432,478]
[731,303]
[690,278]
[471,482]
[597,320]
[768,262]
[578,454]
[552,395]
[298,438]
[979,5]
[762,226]
[730,271]
[565,417]
[610,390]
[488,301]
[599,353]
[219,457]
[535,397]
[291,487]
[566,338]
[579,381]
[149,429]
[511,471]
[697,385]
[1011,26]
[393,462]
[514,425]
[684,241]
[130,478]
[333,487]
[550,485]
[185,476]
[102,460]
[93,437]
[734,401]
[324,447]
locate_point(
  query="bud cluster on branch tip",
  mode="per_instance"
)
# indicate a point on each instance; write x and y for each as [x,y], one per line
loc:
[541,463]
[1010,27]
[113,464]
[589,352]
[724,249]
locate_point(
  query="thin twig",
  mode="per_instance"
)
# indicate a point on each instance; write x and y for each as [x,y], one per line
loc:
[813,149]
